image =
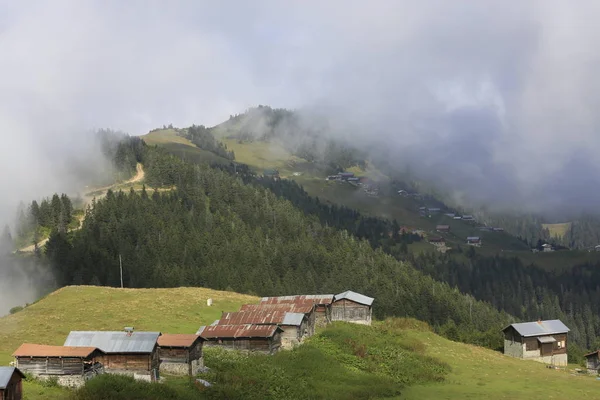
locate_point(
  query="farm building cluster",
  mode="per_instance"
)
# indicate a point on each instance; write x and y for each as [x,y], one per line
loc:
[273,324]
[369,186]
[284,322]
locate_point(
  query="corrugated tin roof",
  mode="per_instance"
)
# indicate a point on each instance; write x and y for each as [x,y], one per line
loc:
[293,319]
[41,350]
[546,339]
[177,340]
[300,299]
[6,374]
[114,342]
[540,328]
[289,307]
[356,297]
[237,331]
[472,237]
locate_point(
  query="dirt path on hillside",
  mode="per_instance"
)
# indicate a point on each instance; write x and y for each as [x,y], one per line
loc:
[87,199]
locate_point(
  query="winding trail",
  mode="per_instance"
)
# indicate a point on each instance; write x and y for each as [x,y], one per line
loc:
[87,199]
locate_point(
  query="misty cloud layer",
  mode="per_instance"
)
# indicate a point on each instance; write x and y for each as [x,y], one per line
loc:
[497,102]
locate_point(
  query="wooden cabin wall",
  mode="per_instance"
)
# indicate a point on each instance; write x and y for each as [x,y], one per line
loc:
[51,365]
[347,310]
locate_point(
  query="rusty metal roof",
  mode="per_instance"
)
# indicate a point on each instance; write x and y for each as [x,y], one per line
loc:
[237,331]
[261,317]
[355,297]
[289,307]
[177,340]
[114,342]
[6,374]
[300,299]
[41,350]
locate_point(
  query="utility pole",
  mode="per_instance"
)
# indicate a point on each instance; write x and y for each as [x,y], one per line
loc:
[121,268]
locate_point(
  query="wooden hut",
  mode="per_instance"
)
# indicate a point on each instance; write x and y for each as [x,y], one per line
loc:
[592,361]
[180,354]
[70,366]
[543,341]
[11,385]
[321,302]
[294,326]
[125,352]
[253,338]
[307,309]
[352,307]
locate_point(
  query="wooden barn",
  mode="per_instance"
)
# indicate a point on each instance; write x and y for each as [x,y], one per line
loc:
[443,228]
[542,341]
[322,303]
[11,385]
[294,326]
[253,338]
[474,241]
[180,354]
[125,352]
[352,307]
[70,366]
[592,362]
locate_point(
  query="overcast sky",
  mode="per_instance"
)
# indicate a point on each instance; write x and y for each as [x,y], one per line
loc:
[497,99]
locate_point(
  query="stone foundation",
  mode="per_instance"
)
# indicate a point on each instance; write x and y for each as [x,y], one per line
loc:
[69,381]
[174,368]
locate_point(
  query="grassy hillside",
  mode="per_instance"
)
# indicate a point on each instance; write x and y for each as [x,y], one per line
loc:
[396,357]
[478,373]
[177,310]
[557,230]
[181,147]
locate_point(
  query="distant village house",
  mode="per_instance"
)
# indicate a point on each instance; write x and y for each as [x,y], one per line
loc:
[542,341]
[547,248]
[253,338]
[125,352]
[11,383]
[70,366]
[474,241]
[592,362]
[180,354]
[352,307]
[443,228]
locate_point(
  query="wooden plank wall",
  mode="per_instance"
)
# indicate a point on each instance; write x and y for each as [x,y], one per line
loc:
[51,365]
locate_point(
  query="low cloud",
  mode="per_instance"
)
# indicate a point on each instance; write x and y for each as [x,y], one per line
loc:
[495,103]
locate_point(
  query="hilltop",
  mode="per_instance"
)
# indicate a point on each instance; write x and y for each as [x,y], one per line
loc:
[473,372]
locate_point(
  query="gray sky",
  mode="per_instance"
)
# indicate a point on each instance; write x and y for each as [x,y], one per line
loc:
[496,100]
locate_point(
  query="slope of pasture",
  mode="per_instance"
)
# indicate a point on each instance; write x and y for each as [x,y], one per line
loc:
[557,230]
[175,310]
[181,147]
[479,373]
